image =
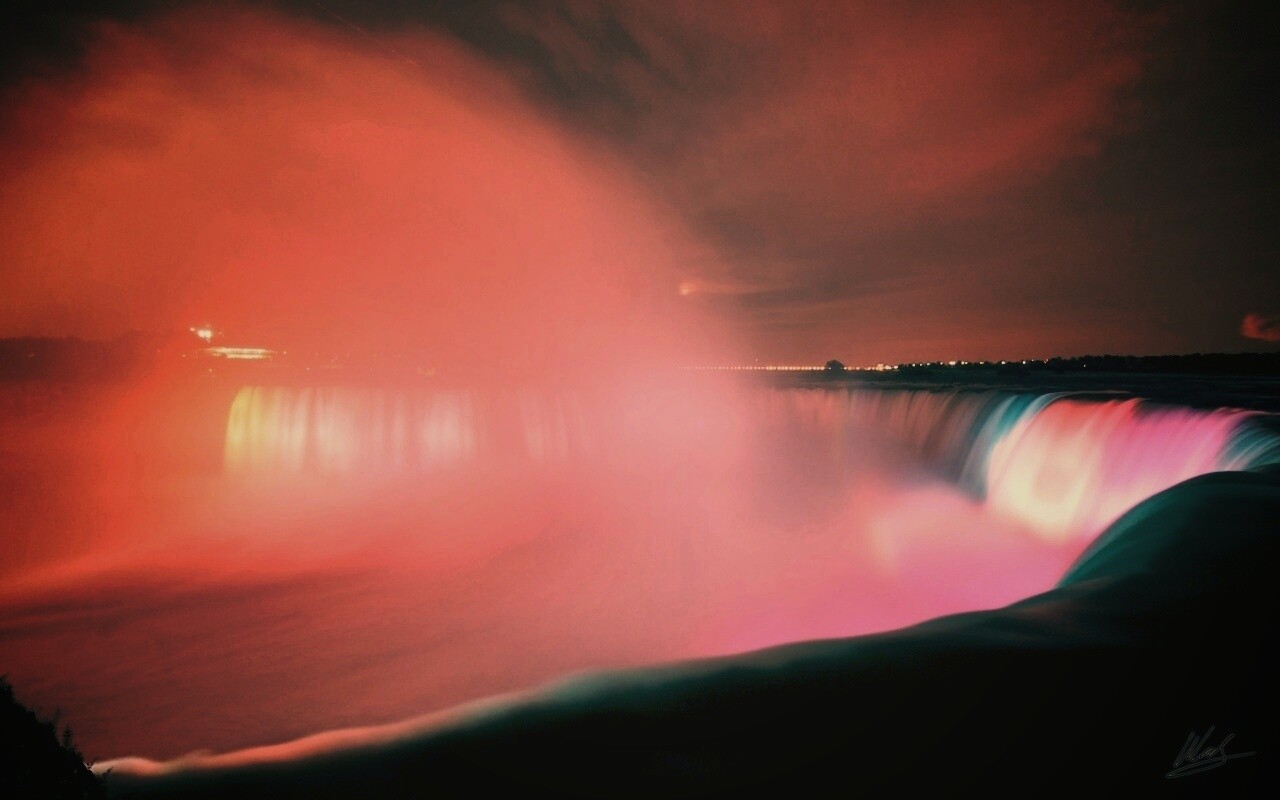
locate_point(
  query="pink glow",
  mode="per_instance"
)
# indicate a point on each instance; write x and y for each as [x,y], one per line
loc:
[1076,466]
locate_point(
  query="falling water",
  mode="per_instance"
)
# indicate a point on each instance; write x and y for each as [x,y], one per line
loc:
[343,429]
[1064,465]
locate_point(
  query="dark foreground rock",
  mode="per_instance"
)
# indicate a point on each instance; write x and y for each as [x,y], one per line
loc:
[38,761]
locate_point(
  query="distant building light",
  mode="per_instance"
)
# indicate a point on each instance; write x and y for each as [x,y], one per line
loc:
[240,353]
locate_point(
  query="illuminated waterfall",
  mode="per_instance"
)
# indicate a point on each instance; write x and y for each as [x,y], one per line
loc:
[1064,465]
[342,429]
[1076,466]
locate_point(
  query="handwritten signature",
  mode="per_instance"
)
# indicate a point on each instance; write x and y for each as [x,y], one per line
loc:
[1196,756]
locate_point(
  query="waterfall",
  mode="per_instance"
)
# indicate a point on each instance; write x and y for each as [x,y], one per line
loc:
[344,429]
[1065,465]
[1076,466]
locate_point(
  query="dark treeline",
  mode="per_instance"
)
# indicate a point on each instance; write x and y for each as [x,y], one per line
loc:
[37,756]
[71,358]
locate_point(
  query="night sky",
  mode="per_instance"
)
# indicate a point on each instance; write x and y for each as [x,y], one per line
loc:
[788,182]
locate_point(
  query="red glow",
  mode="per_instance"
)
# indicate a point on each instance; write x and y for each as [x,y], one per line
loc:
[310,192]
[1265,327]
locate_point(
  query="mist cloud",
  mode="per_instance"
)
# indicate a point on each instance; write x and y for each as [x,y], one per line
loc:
[302,186]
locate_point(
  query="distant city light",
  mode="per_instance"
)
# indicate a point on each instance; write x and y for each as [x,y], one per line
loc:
[240,353]
[879,367]
[789,368]
[762,367]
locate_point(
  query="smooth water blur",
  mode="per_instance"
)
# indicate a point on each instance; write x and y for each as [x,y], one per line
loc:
[214,565]
[1064,465]
[1073,468]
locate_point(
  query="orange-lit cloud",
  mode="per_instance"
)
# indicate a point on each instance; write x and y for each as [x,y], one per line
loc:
[1265,327]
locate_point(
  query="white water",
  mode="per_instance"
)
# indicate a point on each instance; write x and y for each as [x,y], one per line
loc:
[1068,467]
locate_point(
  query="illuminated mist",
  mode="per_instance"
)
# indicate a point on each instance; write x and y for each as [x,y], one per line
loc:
[317,192]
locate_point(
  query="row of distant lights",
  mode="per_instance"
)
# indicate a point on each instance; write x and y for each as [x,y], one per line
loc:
[206,333]
[817,368]
[967,363]
[764,368]
[790,368]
